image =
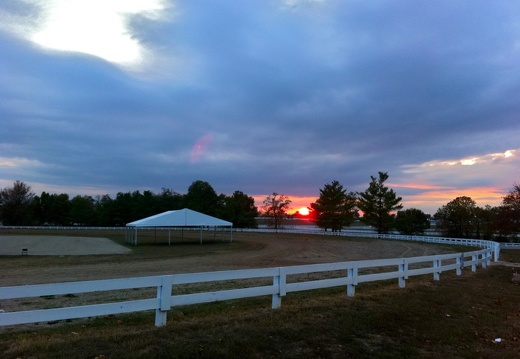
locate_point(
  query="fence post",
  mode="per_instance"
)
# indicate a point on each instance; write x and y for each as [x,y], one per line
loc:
[279,281]
[164,294]
[460,264]
[403,270]
[351,287]
[436,265]
[484,260]
[474,263]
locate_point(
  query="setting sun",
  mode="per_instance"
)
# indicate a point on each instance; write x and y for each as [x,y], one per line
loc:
[304,211]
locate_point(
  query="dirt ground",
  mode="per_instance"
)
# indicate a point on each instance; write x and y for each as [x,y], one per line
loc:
[58,245]
[248,250]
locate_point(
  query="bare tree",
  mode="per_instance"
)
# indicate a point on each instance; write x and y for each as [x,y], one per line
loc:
[275,208]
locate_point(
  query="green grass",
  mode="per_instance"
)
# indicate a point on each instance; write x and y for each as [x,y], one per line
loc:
[457,317]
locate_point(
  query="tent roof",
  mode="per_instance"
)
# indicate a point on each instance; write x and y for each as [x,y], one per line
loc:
[180,218]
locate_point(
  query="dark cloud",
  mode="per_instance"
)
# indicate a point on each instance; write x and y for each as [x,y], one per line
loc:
[292,98]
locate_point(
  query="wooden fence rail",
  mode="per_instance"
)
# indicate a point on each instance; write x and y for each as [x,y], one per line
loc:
[282,280]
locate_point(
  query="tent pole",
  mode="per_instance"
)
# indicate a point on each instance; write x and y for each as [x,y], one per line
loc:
[169,240]
[200,234]
[230,234]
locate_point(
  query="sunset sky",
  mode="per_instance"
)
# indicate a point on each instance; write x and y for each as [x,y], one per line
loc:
[106,96]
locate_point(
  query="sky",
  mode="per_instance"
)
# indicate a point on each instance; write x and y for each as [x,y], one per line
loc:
[260,96]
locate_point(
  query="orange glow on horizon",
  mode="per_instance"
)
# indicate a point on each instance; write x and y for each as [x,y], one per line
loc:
[429,198]
[297,202]
[490,195]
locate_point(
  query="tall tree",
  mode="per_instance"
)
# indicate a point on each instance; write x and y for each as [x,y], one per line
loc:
[145,204]
[484,222]
[411,221]
[123,209]
[378,202]
[169,200]
[507,220]
[105,210]
[240,209]
[275,209]
[51,209]
[335,208]
[458,218]
[82,211]
[201,197]
[15,204]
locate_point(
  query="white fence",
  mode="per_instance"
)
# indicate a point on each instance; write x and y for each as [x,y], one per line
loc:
[510,245]
[280,281]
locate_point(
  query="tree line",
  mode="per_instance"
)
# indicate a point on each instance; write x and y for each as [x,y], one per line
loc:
[336,208]
[19,206]
[381,208]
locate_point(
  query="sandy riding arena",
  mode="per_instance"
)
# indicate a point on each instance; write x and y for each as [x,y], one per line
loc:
[248,250]
[58,245]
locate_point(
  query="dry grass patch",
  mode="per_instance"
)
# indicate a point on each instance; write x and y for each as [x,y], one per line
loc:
[458,317]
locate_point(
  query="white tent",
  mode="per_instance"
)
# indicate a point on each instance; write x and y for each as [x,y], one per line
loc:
[179,218]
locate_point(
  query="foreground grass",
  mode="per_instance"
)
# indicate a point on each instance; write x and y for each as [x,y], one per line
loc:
[457,317]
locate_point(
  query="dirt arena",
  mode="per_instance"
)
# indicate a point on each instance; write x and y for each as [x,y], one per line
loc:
[58,245]
[69,260]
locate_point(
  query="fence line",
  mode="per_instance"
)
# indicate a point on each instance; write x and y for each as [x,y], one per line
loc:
[284,280]
[510,245]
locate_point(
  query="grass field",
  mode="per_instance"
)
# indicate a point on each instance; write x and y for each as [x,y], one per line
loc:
[457,317]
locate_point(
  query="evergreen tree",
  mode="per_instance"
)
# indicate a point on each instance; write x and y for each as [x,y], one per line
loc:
[51,209]
[334,208]
[377,203]
[82,211]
